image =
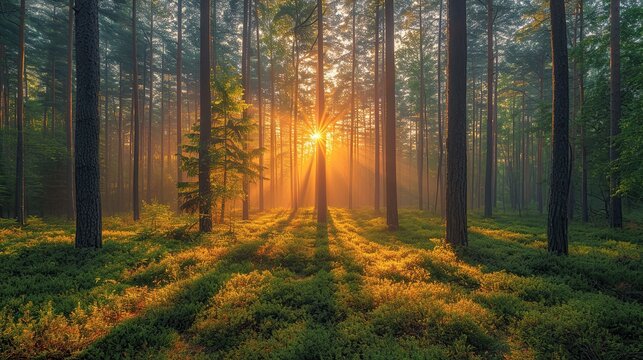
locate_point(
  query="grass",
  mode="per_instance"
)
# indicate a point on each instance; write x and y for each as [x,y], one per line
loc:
[283,287]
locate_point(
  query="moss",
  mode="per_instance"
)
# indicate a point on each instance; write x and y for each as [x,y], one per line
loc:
[282,287]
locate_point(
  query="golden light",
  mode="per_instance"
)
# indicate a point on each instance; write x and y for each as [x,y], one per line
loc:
[315,136]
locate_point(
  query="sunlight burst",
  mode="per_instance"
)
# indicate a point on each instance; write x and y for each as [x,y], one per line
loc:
[315,136]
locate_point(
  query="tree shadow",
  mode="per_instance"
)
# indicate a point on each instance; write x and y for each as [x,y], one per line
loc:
[43,271]
[159,326]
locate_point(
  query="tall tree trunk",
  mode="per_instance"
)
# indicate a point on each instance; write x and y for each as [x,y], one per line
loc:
[53,96]
[391,181]
[351,142]
[320,184]
[106,156]
[488,185]
[273,131]
[456,184]
[420,128]
[136,201]
[120,187]
[88,214]
[70,201]
[557,221]
[474,118]
[495,129]
[616,212]
[439,191]
[260,108]
[205,124]
[148,194]
[376,101]
[179,94]
[295,125]
[162,130]
[245,79]
[20,122]
[581,100]
[541,142]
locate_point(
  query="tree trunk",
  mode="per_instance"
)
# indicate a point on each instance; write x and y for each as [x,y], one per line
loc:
[148,194]
[136,202]
[205,124]
[351,142]
[106,156]
[20,122]
[560,176]
[456,184]
[70,201]
[439,188]
[616,212]
[320,184]
[120,187]
[420,127]
[391,181]
[581,100]
[179,94]
[376,101]
[260,108]
[541,143]
[162,130]
[88,214]
[488,185]
[273,131]
[245,79]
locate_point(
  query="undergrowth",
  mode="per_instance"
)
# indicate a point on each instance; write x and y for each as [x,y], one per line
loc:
[283,287]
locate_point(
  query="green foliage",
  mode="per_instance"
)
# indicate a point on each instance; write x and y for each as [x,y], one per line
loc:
[230,158]
[286,288]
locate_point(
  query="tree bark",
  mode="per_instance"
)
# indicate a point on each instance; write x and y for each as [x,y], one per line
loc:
[439,188]
[420,127]
[245,79]
[581,100]
[120,187]
[260,108]
[390,133]
[70,205]
[376,101]
[351,142]
[560,176]
[179,93]
[456,184]
[106,157]
[162,130]
[88,207]
[136,201]
[488,185]
[20,122]
[320,184]
[148,194]
[616,212]
[205,124]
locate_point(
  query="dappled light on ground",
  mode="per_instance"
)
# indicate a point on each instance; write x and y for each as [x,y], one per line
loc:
[282,286]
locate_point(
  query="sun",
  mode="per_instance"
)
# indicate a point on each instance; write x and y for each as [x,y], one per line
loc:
[315,136]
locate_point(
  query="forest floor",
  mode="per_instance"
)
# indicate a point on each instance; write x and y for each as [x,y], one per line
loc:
[280,286]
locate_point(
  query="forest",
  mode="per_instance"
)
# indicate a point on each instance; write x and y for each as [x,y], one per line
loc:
[321,179]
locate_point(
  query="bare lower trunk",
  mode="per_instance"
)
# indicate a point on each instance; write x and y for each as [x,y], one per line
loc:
[456,184]
[560,176]
[205,124]
[88,214]
[390,133]
[616,212]
[320,184]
